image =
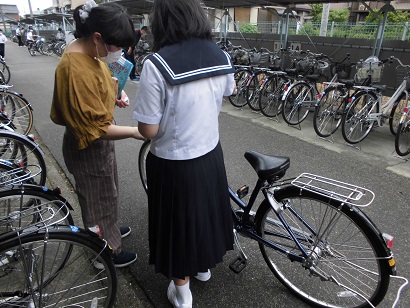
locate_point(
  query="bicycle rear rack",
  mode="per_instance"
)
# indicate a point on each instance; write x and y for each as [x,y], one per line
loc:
[19,175]
[45,215]
[333,189]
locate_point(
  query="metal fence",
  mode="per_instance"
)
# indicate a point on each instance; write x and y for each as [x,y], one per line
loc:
[399,31]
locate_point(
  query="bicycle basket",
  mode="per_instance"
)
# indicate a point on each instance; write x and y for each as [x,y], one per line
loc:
[371,66]
[343,71]
[254,57]
[304,65]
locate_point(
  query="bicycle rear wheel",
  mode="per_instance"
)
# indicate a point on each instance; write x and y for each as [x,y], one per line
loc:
[343,247]
[395,114]
[295,103]
[23,152]
[17,110]
[270,98]
[25,205]
[6,72]
[356,122]
[402,140]
[328,112]
[56,269]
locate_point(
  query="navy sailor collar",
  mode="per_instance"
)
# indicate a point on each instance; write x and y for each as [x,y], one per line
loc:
[190,60]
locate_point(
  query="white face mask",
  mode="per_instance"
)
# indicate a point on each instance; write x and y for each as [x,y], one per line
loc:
[111,56]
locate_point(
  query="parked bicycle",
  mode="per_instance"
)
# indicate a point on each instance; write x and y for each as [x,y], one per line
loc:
[5,70]
[300,97]
[45,261]
[142,51]
[311,233]
[367,110]
[402,140]
[22,155]
[15,111]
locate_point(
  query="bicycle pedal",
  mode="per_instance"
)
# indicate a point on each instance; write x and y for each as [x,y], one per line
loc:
[238,265]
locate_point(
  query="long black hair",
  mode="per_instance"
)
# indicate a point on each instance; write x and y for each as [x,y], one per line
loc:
[173,21]
[111,20]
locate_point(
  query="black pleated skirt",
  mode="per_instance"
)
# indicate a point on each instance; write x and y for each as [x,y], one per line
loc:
[190,221]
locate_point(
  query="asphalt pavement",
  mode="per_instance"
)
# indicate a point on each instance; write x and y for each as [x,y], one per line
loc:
[373,164]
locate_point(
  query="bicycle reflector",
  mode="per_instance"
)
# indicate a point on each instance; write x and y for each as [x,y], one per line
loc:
[388,239]
[406,109]
[320,95]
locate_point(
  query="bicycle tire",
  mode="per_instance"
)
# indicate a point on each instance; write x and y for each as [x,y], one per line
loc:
[32,199]
[402,139]
[142,156]
[63,274]
[253,89]
[355,123]
[32,51]
[395,114]
[24,152]
[6,72]
[139,63]
[342,244]
[47,49]
[18,110]
[329,111]
[270,99]
[294,112]
[241,77]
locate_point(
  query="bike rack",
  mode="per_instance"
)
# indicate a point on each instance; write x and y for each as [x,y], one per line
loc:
[336,190]
[19,175]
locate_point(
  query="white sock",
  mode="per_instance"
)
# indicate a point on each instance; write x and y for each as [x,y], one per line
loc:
[184,295]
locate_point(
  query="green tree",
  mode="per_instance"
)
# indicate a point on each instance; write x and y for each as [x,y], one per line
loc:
[339,15]
[248,28]
[397,17]
[334,15]
[316,12]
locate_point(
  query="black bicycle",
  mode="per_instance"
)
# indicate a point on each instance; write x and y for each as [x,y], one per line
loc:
[311,233]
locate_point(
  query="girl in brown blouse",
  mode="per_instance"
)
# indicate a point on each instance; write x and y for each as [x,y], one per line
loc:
[84,100]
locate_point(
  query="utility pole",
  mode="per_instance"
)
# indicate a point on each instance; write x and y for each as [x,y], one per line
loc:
[325,19]
[31,11]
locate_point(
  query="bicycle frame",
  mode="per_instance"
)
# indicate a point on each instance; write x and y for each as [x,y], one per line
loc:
[245,230]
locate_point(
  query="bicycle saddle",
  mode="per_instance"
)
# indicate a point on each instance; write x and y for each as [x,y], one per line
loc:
[268,167]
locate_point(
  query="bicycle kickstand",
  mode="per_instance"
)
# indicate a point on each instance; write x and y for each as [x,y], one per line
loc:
[240,262]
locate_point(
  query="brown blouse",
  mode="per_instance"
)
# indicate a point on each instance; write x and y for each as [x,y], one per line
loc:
[84,97]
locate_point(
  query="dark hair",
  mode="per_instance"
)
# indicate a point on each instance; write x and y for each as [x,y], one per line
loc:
[111,20]
[173,21]
[145,28]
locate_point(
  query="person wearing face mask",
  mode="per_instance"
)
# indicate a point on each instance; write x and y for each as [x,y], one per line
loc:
[83,101]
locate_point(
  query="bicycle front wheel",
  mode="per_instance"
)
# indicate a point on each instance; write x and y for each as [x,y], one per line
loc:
[356,122]
[328,112]
[402,140]
[253,90]
[241,78]
[270,99]
[142,157]
[299,97]
[346,262]
[56,269]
